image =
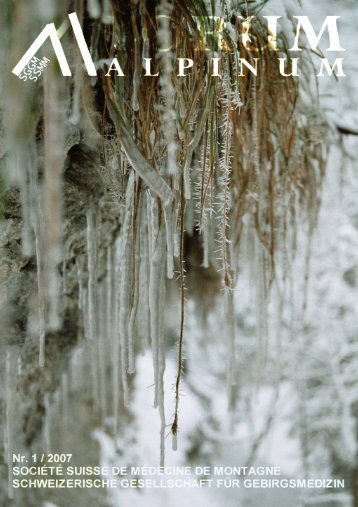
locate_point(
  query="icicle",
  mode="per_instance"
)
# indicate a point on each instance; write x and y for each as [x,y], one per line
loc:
[143,318]
[94,8]
[175,441]
[161,367]
[92,350]
[135,103]
[176,244]
[91,269]
[116,382]
[84,306]
[56,419]
[156,302]
[157,247]
[134,309]
[125,263]
[101,352]
[40,298]
[47,423]
[190,217]
[116,357]
[112,337]
[107,16]
[109,292]
[64,398]
[76,368]
[92,306]
[205,233]
[53,167]
[19,366]
[168,217]
[36,219]
[153,284]
[81,295]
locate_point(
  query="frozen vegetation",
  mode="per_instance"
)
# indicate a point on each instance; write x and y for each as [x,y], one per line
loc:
[179,259]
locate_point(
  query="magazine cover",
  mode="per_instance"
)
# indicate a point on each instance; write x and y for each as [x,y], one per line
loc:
[178,253]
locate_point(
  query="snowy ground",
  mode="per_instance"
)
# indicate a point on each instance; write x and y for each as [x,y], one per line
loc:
[279,449]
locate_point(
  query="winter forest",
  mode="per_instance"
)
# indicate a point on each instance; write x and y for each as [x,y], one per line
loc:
[179,250]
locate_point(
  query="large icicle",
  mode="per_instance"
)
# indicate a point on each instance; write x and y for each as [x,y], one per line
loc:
[117,366]
[92,271]
[161,367]
[102,341]
[124,263]
[53,167]
[143,307]
[92,302]
[134,305]
[36,220]
[156,286]
[111,336]
[112,281]
[169,224]
[156,300]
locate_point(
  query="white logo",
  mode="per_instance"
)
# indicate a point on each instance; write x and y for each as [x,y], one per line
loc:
[50,32]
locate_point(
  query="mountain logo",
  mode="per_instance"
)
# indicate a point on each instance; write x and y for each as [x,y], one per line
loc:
[50,32]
